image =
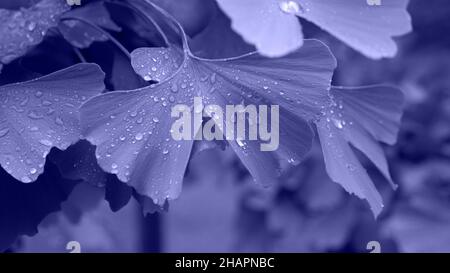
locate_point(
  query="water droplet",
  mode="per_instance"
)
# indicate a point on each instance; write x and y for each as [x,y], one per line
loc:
[174,88]
[31,26]
[338,123]
[165,151]
[290,7]
[240,143]
[114,166]
[46,142]
[155,119]
[33,171]
[147,78]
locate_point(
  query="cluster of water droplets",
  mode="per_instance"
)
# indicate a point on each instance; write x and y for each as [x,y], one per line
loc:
[155,64]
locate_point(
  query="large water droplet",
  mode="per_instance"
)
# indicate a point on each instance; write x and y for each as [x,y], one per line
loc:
[139,136]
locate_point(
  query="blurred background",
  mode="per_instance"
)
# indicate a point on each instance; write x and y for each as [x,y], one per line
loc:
[222,210]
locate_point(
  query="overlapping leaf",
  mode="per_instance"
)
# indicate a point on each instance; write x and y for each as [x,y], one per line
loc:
[132,128]
[360,116]
[272,26]
[43,113]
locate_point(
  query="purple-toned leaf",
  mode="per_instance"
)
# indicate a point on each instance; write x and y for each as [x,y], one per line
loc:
[132,128]
[38,115]
[82,35]
[20,30]
[359,116]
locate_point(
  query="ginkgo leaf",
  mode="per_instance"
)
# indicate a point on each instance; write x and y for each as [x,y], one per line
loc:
[20,30]
[81,34]
[43,113]
[360,116]
[117,193]
[24,206]
[272,26]
[368,29]
[132,129]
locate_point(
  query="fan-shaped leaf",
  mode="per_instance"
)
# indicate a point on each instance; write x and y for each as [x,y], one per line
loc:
[22,29]
[359,116]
